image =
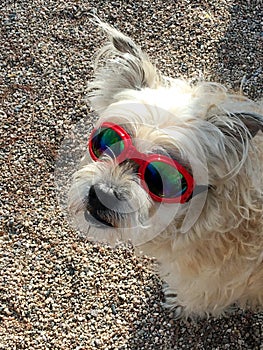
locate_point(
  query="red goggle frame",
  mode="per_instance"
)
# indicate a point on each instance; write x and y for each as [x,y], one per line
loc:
[162,177]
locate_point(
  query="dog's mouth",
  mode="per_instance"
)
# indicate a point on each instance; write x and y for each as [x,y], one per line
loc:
[95,220]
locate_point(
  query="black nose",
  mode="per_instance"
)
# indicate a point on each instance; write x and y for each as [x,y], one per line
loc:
[100,202]
[101,198]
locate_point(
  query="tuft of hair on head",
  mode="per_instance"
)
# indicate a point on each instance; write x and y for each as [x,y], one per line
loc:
[120,65]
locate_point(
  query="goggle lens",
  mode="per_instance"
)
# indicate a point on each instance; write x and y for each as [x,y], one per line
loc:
[107,141]
[164,180]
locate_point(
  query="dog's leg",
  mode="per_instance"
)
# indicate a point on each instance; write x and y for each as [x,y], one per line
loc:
[171,302]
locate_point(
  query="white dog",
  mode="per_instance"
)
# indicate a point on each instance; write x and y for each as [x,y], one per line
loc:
[176,168]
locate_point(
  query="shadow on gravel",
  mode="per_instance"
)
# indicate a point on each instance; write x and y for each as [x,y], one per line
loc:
[241,331]
[240,51]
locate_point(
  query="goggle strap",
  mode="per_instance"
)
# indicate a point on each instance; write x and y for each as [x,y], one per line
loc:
[199,189]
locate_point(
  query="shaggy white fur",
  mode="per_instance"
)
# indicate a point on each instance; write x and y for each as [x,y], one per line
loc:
[209,249]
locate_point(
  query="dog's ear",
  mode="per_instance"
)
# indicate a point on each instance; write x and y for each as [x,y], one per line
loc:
[239,124]
[252,121]
[120,66]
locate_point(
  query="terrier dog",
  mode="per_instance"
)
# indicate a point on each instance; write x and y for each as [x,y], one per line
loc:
[175,167]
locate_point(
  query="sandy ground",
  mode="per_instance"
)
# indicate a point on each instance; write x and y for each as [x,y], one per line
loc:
[57,291]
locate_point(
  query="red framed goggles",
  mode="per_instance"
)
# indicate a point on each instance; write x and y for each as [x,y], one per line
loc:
[162,177]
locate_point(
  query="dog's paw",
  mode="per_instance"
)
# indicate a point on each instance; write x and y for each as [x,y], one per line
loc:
[171,303]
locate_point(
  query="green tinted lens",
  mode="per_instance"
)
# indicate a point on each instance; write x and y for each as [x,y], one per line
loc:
[164,180]
[107,141]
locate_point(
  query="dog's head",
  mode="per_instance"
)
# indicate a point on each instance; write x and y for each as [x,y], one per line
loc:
[163,152]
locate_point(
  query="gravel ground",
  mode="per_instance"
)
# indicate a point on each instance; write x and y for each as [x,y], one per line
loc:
[56,290]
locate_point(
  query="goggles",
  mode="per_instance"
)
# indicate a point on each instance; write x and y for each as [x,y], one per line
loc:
[163,178]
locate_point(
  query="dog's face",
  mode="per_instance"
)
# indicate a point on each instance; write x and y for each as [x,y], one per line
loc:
[124,184]
[160,151]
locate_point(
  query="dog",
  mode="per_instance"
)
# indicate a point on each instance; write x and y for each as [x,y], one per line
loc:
[175,167]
